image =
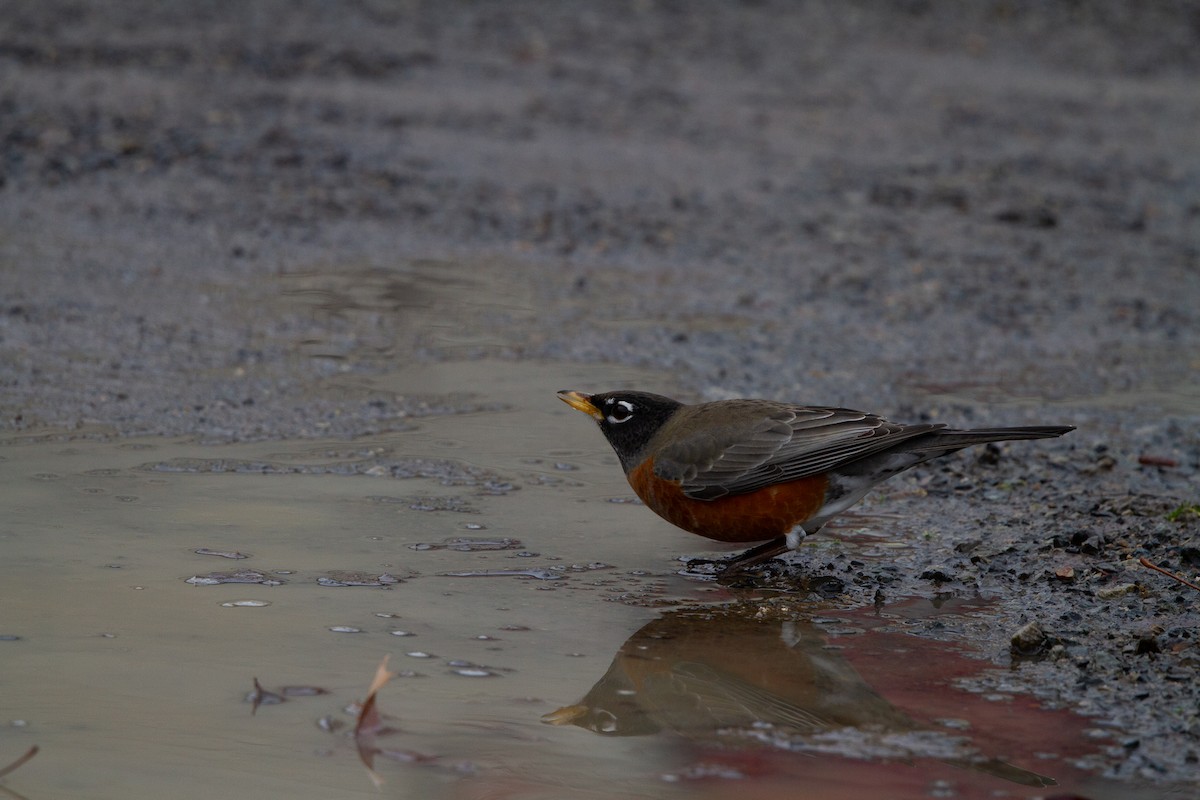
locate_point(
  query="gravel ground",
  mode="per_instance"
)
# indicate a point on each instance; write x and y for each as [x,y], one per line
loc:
[986,213]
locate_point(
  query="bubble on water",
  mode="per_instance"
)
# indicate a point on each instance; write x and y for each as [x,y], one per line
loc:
[469,669]
[345,629]
[245,604]
[419,654]
[387,614]
[473,672]
[402,633]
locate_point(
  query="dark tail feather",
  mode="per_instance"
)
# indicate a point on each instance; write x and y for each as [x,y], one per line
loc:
[945,441]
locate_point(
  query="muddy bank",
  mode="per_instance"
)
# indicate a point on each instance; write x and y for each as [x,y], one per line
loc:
[224,221]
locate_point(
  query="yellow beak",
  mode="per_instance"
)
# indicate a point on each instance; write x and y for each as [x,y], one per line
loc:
[580,402]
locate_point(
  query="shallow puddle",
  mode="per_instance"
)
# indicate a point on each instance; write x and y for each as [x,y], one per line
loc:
[544,644]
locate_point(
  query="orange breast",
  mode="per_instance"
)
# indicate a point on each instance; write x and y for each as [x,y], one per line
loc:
[756,516]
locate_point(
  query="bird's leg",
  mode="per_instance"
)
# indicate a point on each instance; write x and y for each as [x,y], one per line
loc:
[755,555]
[765,551]
[795,536]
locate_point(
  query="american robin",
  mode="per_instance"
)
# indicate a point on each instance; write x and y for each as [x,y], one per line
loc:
[761,471]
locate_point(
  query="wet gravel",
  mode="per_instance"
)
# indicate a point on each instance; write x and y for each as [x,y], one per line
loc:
[982,213]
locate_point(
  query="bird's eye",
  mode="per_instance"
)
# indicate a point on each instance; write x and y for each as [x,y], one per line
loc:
[619,411]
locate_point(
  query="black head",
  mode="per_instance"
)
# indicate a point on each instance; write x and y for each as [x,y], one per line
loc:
[628,419]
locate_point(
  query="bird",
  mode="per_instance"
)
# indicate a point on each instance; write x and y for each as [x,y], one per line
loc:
[747,470]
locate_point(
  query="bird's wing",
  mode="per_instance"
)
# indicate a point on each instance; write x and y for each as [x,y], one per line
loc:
[775,443]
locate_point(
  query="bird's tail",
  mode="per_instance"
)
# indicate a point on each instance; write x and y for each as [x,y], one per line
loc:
[948,440]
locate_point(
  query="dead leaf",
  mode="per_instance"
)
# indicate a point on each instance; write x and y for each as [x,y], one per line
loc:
[1145,562]
[370,722]
[30,753]
[259,696]
[1151,460]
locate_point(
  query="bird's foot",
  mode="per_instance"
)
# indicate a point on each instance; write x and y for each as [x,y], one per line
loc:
[712,569]
[755,556]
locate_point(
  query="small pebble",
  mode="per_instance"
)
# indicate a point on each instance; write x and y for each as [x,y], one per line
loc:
[1029,639]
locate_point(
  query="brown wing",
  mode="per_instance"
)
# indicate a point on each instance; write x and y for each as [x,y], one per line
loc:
[752,445]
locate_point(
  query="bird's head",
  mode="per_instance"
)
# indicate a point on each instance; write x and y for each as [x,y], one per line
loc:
[628,419]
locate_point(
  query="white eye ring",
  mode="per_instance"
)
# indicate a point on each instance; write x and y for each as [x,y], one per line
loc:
[626,408]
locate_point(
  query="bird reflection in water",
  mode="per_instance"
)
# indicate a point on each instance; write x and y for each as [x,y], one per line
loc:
[733,677]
